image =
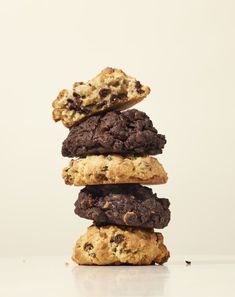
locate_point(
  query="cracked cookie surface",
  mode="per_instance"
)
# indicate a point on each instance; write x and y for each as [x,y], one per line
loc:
[125,204]
[111,89]
[114,169]
[129,132]
[111,245]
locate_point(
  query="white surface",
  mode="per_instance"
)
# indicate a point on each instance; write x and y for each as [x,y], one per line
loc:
[183,49]
[48,276]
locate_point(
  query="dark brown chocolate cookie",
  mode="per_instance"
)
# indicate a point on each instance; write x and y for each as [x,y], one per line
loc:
[124,205]
[129,132]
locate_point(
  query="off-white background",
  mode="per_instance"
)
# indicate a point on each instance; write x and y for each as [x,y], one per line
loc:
[183,49]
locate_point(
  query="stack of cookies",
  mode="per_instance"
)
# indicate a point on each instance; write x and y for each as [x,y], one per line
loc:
[112,157]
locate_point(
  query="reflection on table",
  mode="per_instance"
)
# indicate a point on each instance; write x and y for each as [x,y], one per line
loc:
[120,280]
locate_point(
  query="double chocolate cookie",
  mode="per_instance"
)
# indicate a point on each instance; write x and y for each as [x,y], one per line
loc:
[129,132]
[128,205]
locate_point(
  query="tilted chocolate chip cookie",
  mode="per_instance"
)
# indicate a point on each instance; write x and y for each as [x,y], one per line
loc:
[125,204]
[129,132]
[112,245]
[114,169]
[111,89]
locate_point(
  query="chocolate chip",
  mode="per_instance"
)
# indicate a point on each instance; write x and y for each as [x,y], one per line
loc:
[188,262]
[118,238]
[102,177]
[104,92]
[105,168]
[101,104]
[78,101]
[114,83]
[68,179]
[113,98]
[88,246]
[74,104]
[120,96]
[76,95]
[138,87]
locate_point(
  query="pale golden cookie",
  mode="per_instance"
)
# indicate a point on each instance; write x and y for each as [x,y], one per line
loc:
[114,169]
[111,89]
[111,245]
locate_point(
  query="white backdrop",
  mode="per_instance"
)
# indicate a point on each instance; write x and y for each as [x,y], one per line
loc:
[183,49]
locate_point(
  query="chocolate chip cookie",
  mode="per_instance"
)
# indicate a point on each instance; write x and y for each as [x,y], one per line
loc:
[114,169]
[111,245]
[125,204]
[129,132]
[111,89]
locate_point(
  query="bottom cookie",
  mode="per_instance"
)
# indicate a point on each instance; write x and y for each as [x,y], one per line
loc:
[112,245]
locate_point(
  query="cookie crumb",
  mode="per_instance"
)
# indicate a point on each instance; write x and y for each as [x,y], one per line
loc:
[66,264]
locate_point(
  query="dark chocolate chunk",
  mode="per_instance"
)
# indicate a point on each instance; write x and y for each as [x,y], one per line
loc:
[104,92]
[118,238]
[101,104]
[75,103]
[139,87]
[88,246]
[102,177]
[122,96]
[140,91]
[118,97]
[105,168]
[113,98]
[124,205]
[76,95]
[115,83]
[129,132]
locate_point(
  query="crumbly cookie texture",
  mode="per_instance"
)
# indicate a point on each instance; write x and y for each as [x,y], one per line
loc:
[124,205]
[114,169]
[112,245]
[111,89]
